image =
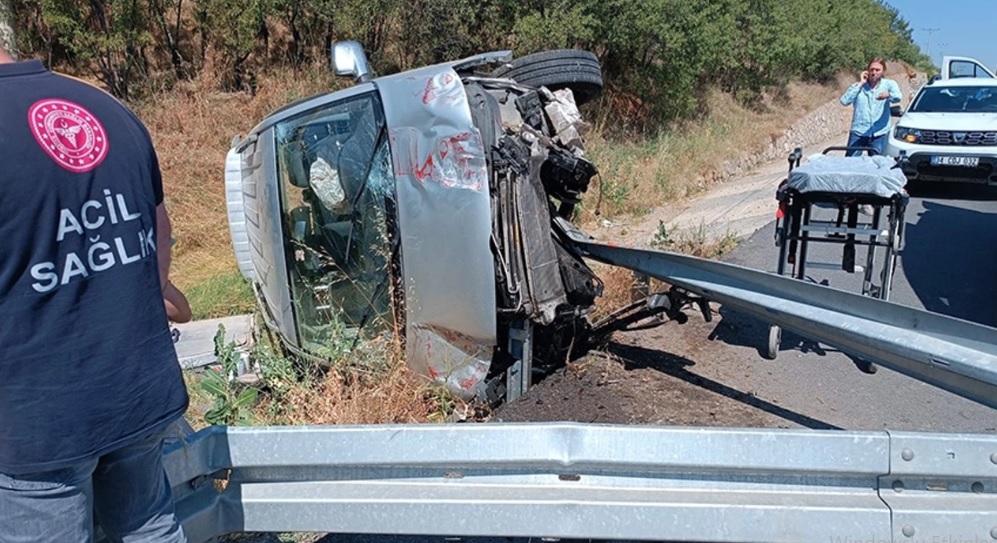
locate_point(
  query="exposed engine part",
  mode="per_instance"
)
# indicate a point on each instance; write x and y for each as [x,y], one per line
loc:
[581,284]
[539,174]
[652,311]
[511,153]
[532,111]
[527,247]
[565,119]
[566,176]
[546,291]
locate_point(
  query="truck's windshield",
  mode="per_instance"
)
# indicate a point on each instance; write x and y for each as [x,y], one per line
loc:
[338,197]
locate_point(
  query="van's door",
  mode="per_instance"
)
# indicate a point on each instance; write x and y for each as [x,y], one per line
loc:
[953,67]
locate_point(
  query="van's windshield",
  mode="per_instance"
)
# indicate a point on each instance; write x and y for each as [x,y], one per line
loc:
[337,200]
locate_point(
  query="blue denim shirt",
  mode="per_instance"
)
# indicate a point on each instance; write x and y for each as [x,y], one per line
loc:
[871,116]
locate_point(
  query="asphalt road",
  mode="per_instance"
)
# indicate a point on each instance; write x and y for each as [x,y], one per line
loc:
[948,265]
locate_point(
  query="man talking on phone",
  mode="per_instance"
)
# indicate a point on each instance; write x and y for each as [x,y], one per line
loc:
[871,98]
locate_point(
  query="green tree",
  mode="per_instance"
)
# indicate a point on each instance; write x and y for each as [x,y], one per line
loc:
[558,25]
[432,31]
[659,57]
[163,13]
[663,52]
[310,25]
[234,29]
[105,37]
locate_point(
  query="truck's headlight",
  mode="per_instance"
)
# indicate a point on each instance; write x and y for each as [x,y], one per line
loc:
[910,135]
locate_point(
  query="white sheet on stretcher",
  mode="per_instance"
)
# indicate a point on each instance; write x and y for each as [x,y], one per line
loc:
[875,175]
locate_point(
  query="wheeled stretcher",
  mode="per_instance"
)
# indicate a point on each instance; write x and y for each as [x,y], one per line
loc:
[851,201]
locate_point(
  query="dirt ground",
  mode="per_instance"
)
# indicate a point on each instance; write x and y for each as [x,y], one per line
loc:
[649,377]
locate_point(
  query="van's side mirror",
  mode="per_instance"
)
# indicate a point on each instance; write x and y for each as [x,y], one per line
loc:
[896,111]
[349,59]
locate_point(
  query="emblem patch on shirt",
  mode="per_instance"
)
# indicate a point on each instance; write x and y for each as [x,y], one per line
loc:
[70,134]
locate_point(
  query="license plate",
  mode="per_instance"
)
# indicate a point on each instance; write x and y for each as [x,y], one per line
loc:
[966,161]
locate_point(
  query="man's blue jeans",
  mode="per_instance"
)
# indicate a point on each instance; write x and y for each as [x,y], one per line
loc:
[876,142]
[126,490]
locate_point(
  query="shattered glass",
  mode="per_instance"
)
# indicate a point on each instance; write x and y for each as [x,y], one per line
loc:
[335,175]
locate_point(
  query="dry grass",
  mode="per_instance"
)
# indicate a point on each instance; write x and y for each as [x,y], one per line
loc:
[367,385]
[370,384]
[619,285]
[698,241]
[351,397]
[637,176]
[344,397]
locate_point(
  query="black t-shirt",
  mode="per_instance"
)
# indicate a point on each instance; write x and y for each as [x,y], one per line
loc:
[87,364]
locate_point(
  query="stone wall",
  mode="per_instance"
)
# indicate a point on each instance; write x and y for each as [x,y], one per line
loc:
[820,125]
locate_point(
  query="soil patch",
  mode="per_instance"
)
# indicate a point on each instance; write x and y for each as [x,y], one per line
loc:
[643,378]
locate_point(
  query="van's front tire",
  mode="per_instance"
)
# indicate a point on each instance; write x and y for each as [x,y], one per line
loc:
[573,69]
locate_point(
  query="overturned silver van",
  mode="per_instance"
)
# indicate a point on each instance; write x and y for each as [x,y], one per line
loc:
[433,203]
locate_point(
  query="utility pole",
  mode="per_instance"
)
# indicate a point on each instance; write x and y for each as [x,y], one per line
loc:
[930,31]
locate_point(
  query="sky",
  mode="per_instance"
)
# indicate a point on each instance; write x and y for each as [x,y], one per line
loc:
[966,28]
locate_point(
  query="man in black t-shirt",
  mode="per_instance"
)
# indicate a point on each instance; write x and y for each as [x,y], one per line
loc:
[89,378]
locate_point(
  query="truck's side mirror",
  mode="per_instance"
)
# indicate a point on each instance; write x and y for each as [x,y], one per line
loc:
[896,111]
[349,59]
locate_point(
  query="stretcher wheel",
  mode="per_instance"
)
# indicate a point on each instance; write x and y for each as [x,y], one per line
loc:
[775,338]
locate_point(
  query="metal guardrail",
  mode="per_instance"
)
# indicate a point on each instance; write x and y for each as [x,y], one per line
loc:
[569,480]
[952,354]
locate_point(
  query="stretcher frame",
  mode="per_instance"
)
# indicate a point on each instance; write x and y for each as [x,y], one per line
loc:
[796,229]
